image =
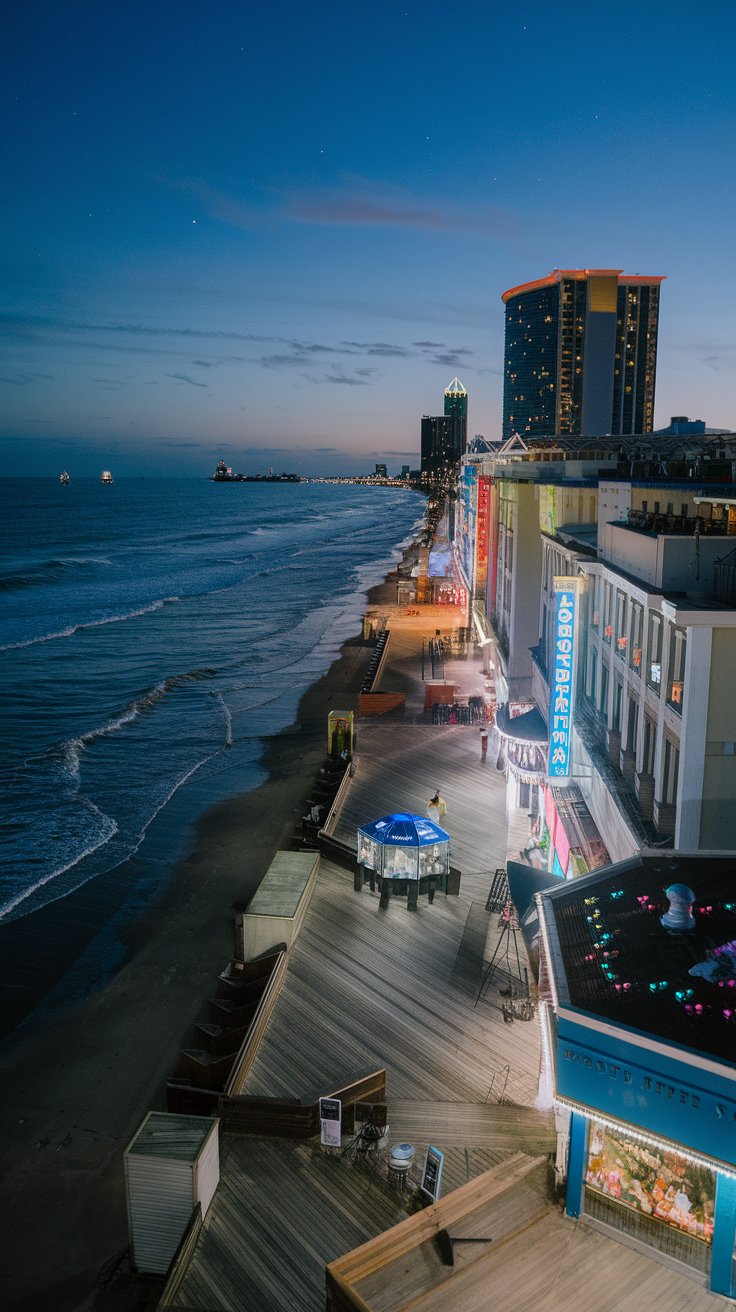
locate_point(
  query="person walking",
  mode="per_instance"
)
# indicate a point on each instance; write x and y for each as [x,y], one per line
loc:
[483,742]
[441,807]
[433,810]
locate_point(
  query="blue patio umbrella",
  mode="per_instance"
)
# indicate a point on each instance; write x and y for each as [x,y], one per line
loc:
[381,842]
[405,830]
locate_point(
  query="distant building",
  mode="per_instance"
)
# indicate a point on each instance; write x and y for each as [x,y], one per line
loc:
[405,471]
[381,471]
[681,426]
[581,354]
[441,450]
[456,406]
[444,437]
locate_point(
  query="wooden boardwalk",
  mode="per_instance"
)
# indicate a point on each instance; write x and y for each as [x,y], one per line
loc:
[369,987]
[555,1265]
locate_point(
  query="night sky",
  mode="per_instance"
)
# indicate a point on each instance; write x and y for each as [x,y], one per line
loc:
[276,232]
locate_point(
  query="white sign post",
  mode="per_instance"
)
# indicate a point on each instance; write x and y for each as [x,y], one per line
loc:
[330,1120]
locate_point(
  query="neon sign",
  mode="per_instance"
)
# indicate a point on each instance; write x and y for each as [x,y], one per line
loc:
[561,686]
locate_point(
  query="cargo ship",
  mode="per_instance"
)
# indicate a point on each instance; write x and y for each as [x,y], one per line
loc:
[224,474]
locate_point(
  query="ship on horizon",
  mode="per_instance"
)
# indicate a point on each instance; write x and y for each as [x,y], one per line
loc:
[106,476]
[63,478]
[224,474]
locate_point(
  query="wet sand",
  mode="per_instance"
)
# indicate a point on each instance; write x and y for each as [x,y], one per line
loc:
[78,1077]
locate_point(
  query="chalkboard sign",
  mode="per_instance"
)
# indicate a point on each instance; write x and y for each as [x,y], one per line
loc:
[330,1120]
[432,1173]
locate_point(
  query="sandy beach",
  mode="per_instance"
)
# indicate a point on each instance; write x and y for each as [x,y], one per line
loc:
[78,1077]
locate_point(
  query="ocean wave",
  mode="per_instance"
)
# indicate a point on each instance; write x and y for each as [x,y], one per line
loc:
[72,749]
[227,717]
[48,571]
[110,829]
[90,624]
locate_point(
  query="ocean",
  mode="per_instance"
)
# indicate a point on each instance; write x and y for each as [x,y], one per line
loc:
[153,633]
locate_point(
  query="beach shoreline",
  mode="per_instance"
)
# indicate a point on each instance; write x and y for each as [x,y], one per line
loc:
[79,1075]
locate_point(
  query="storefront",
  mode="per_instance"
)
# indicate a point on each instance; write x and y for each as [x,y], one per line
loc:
[640,1040]
[570,836]
[522,755]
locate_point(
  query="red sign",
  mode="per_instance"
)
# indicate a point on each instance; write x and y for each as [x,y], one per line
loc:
[481,542]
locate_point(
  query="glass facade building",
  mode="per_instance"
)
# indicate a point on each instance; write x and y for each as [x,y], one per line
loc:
[456,407]
[444,437]
[580,354]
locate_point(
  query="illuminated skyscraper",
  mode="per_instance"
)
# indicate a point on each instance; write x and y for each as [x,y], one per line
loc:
[456,405]
[581,354]
[444,437]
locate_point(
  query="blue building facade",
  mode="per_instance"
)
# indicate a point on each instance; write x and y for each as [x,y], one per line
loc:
[640,1041]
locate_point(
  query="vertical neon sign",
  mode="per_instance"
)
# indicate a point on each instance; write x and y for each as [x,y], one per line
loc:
[562,683]
[481,533]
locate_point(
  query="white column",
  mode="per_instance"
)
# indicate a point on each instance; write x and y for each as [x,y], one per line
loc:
[693,738]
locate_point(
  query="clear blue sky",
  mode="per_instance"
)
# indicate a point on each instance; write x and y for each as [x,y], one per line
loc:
[276,232]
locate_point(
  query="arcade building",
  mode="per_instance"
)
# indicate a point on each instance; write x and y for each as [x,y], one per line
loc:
[638,1014]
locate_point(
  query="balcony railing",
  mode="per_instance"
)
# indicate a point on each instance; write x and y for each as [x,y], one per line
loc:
[592,730]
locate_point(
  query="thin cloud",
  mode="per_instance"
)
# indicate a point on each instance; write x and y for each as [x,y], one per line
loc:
[387,349]
[352,202]
[185,378]
[363,202]
[349,379]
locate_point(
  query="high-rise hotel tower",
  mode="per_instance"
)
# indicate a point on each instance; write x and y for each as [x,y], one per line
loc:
[581,354]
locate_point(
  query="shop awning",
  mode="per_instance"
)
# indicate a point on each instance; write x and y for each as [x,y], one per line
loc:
[527,728]
[524,882]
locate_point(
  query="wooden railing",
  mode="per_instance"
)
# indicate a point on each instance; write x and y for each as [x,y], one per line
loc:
[203,1074]
[387,1249]
[298,1118]
[182,1257]
[256,1029]
[338,800]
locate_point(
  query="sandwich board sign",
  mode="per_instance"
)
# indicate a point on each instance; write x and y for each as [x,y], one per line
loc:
[432,1173]
[330,1120]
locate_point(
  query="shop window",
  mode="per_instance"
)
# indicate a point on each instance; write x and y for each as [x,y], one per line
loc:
[621,634]
[650,742]
[593,673]
[654,653]
[618,696]
[635,635]
[632,724]
[603,703]
[657,1196]
[608,613]
[676,675]
[670,772]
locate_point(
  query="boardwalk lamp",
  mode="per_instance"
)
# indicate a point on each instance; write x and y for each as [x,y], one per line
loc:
[406,854]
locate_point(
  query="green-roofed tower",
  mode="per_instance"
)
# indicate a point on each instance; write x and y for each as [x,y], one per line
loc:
[456,406]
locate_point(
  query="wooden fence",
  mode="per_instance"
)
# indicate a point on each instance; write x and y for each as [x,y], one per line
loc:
[298,1118]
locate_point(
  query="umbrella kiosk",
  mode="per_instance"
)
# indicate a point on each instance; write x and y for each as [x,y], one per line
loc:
[403,854]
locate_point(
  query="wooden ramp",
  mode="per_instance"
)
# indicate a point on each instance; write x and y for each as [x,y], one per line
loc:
[501,1128]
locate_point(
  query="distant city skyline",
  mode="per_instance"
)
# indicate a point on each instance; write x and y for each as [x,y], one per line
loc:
[255,236]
